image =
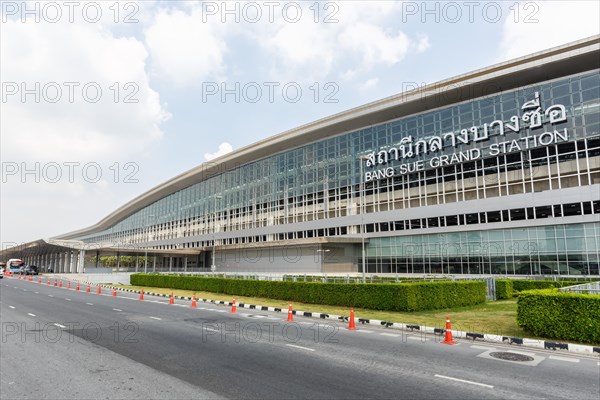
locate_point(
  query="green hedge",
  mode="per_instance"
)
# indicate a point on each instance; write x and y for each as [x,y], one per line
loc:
[564,316]
[375,296]
[504,289]
[507,288]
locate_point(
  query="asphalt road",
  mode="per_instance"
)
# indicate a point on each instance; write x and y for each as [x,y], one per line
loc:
[59,343]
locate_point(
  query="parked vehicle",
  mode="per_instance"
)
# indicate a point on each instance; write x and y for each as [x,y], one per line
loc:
[30,270]
[14,265]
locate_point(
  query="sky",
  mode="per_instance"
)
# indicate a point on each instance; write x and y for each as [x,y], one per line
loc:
[102,101]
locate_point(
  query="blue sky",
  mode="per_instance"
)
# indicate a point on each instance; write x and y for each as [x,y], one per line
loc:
[71,154]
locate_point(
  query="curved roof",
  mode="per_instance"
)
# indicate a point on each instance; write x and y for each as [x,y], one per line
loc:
[571,58]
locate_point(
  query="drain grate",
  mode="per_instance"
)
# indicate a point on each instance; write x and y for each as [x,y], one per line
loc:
[504,355]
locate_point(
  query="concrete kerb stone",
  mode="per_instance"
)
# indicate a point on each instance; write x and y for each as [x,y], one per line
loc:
[471,336]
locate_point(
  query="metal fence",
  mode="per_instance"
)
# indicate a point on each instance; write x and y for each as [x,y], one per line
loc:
[586,288]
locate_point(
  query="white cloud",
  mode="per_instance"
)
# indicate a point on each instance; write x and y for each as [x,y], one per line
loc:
[544,24]
[224,148]
[423,44]
[185,49]
[37,133]
[369,84]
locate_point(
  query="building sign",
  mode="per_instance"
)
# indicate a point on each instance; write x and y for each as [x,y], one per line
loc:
[533,117]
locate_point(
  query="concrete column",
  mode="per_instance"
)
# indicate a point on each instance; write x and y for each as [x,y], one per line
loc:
[118,261]
[170,263]
[81,261]
[137,263]
[185,260]
[154,264]
[67,262]
[72,266]
[97,259]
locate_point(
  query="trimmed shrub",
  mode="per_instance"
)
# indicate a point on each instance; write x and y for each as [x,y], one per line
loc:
[504,289]
[564,316]
[375,296]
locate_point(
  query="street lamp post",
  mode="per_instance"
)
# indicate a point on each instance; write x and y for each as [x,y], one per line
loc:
[147,241]
[362,214]
[213,267]
[322,251]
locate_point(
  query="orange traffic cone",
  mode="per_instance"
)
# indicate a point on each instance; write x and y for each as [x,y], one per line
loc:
[55,283]
[88,288]
[448,339]
[68,284]
[99,290]
[233,308]
[142,295]
[77,287]
[39,280]
[114,292]
[48,281]
[171,299]
[351,325]
[60,283]
[290,314]
[194,301]
[30,278]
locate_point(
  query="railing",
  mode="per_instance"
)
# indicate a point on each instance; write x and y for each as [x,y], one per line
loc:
[586,288]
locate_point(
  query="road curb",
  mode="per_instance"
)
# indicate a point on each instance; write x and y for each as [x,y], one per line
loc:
[470,336]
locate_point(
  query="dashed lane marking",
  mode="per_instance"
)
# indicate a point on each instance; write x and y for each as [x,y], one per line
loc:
[30,314]
[568,359]
[300,347]
[116,309]
[11,307]
[389,334]
[156,318]
[487,348]
[363,331]
[89,304]
[50,295]
[60,326]
[464,381]
[68,299]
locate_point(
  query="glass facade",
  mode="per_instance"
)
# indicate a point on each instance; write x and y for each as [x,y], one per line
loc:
[321,182]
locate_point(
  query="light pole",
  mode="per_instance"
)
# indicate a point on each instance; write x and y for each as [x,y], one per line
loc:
[322,251]
[147,240]
[213,267]
[362,214]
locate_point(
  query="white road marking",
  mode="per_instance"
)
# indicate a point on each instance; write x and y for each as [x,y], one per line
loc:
[11,307]
[363,331]
[50,295]
[463,381]
[36,292]
[559,358]
[68,299]
[156,318]
[210,329]
[60,326]
[487,348]
[30,314]
[89,304]
[389,334]
[299,347]
[116,309]
[421,339]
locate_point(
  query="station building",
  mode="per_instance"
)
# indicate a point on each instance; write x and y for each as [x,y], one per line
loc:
[496,171]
